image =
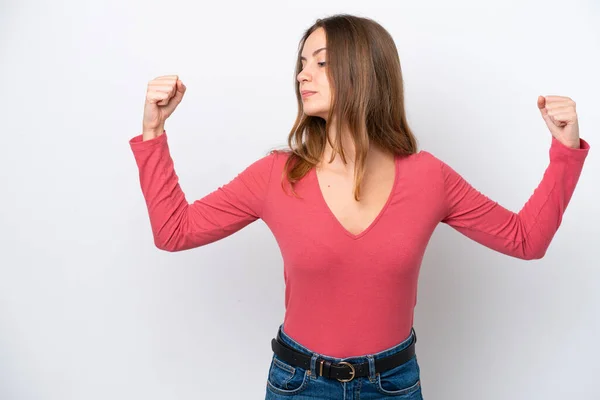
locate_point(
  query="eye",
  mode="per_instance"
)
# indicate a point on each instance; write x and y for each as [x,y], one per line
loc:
[322,64]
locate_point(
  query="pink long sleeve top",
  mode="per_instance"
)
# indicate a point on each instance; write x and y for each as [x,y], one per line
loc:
[347,294]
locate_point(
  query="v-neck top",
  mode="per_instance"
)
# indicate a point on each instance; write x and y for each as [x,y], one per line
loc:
[313,176]
[349,295]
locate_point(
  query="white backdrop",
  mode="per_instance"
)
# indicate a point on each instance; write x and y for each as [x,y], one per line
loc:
[90,309]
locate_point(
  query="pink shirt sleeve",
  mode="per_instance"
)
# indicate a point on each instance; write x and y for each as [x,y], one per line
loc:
[178,225]
[528,233]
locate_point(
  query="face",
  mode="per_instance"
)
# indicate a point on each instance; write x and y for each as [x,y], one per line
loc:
[313,76]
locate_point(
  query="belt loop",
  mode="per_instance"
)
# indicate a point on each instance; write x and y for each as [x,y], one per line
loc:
[313,366]
[371,367]
[326,368]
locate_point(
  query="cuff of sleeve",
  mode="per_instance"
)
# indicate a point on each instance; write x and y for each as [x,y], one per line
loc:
[138,144]
[560,151]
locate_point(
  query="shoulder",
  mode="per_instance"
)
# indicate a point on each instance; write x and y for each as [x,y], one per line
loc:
[270,164]
[422,162]
[277,159]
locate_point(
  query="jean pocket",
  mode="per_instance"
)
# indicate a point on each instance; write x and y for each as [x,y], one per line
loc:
[402,380]
[285,379]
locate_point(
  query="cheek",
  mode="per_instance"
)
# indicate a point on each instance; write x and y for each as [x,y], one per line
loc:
[327,91]
[322,79]
[324,87]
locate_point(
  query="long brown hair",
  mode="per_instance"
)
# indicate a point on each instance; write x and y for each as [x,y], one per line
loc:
[367,94]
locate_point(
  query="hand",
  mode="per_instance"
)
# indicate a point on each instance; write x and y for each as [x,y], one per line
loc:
[162,97]
[561,117]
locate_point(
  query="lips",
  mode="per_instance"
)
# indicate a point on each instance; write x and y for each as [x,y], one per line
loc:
[304,92]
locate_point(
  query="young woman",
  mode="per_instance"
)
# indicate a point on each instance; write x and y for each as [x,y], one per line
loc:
[352,205]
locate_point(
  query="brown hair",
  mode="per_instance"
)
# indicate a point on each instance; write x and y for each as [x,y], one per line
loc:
[367,94]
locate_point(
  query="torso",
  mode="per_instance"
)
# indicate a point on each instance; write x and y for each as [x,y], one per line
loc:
[353,266]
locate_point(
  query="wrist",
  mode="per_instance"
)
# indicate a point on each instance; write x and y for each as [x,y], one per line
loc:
[148,134]
[573,145]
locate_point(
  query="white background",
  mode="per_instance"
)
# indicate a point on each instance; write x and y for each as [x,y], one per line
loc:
[90,309]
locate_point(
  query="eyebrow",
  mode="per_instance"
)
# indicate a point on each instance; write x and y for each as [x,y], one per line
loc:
[314,53]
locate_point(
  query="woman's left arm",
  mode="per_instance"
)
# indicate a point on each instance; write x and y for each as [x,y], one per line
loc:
[528,233]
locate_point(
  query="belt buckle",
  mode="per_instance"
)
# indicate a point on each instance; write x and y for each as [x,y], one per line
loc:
[352,372]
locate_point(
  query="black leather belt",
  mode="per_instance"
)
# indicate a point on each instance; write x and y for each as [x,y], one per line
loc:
[342,371]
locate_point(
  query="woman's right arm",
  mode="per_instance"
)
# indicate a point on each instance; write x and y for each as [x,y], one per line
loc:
[176,224]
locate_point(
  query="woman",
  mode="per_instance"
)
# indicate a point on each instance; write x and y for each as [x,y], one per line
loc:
[352,206]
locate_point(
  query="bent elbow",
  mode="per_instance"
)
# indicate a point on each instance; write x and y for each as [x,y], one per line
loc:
[164,246]
[536,255]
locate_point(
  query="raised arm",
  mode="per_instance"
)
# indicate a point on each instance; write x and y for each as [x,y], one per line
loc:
[176,224]
[528,233]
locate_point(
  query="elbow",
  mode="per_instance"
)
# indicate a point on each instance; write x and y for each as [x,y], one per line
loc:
[169,250]
[536,255]
[540,255]
[161,245]
[532,248]
[177,243]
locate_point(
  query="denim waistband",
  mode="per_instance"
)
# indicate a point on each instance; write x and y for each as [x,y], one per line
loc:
[354,359]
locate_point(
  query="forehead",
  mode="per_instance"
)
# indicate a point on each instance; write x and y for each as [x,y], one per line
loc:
[313,42]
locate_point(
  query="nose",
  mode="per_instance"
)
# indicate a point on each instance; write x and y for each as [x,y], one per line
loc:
[303,76]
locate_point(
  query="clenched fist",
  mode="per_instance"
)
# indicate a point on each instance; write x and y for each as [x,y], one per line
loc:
[162,97]
[560,116]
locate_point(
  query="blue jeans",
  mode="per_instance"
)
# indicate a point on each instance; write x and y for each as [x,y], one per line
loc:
[294,383]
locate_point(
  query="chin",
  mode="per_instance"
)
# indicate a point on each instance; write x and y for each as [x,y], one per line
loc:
[321,113]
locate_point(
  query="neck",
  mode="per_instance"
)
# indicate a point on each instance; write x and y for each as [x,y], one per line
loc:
[374,154]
